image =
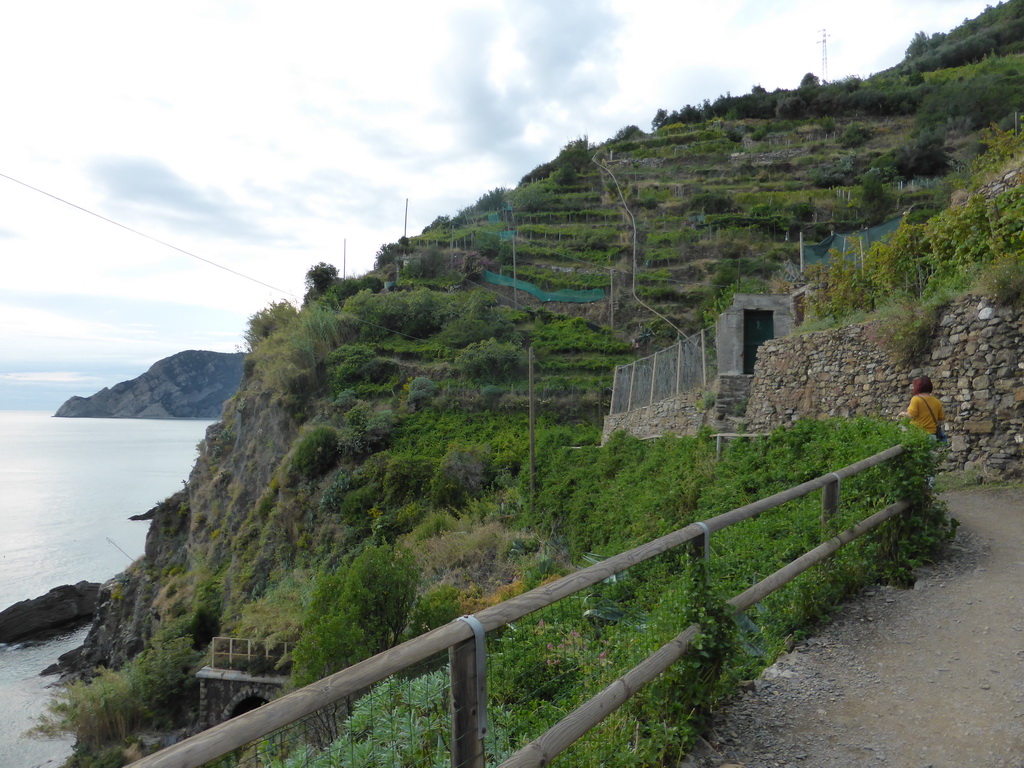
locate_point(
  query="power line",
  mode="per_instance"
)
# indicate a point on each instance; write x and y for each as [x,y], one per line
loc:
[148,237]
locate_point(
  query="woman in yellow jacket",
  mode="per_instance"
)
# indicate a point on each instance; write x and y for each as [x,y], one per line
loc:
[925,410]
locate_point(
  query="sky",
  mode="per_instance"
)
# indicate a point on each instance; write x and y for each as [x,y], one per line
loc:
[169,169]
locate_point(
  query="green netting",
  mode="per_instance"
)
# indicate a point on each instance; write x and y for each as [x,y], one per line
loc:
[508,234]
[574,297]
[849,242]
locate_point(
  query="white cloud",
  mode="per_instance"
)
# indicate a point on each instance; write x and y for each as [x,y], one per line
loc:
[39,377]
[266,137]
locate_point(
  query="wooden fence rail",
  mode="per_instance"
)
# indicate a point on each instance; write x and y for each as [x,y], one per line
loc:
[459,638]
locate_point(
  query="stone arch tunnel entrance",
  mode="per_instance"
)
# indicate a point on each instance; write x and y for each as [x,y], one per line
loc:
[227,693]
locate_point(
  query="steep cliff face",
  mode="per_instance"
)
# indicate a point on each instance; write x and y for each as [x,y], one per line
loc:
[199,549]
[189,385]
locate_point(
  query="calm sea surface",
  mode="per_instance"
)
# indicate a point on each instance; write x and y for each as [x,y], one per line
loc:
[67,488]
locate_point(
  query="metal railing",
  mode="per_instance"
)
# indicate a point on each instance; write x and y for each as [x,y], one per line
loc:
[668,372]
[309,721]
[252,656]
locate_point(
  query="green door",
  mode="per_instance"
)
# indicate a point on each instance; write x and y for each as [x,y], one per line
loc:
[758,327]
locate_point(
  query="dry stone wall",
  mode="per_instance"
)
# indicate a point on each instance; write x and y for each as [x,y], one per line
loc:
[976,364]
[677,415]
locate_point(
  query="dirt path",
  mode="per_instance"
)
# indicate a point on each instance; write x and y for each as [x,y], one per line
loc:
[927,677]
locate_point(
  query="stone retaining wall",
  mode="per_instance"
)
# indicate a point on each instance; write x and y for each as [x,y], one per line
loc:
[678,415]
[975,363]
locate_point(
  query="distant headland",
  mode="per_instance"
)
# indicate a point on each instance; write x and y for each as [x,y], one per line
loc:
[189,385]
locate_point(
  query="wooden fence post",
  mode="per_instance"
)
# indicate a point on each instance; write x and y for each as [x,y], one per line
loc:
[829,500]
[467,668]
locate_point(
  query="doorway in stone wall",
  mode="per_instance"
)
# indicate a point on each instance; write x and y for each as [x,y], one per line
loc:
[758,327]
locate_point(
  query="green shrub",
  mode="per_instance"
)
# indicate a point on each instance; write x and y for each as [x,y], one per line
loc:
[904,328]
[434,524]
[1003,282]
[461,474]
[268,321]
[438,606]
[491,362]
[356,612]
[110,708]
[421,391]
[418,313]
[316,453]
[356,364]
[854,135]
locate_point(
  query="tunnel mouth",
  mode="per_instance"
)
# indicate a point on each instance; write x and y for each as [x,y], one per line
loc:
[248,704]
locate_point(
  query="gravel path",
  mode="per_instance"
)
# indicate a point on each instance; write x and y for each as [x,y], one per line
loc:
[929,677]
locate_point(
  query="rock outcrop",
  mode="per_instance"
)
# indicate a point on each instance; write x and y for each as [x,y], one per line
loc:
[188,385]
[59,609]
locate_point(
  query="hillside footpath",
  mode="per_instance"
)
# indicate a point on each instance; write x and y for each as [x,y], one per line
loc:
[929,676]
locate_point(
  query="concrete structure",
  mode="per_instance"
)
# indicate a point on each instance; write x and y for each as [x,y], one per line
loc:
[752,320]
[225,693]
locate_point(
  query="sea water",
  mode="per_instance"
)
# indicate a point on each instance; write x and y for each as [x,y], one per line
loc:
[67,489]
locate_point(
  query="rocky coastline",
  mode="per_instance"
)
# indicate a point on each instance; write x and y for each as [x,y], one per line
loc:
[61,609]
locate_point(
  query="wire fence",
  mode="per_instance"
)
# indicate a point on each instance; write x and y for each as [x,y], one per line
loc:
[683,366]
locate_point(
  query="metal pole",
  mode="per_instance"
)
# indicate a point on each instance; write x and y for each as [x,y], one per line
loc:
[515,282]
[679,366]
[703,359]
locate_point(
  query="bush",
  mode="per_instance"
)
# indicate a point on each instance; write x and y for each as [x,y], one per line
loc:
[356,612]
[1003,282]
[421,391]
[462,474]
[491,362]
[267,322]
[111,707]
[356,364]
[854,135]
[438,606]
[904,329]
[317,452]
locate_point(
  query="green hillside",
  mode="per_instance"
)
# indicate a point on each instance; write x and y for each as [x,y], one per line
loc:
[373,477]
[721,192]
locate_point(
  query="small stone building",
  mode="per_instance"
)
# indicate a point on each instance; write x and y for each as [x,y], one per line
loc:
[752,320]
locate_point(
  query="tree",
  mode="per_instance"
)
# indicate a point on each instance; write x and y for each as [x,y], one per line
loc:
[918,45]
[387,255]
[660,118]
[810,80]
[319,279]
[875,196]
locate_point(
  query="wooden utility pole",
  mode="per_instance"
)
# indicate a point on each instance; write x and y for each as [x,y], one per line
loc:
[533,445]
[611,298]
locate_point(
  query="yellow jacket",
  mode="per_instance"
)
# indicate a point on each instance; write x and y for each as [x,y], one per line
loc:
[926,411]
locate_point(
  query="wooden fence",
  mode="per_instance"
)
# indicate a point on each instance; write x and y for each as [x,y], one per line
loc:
[463,640]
